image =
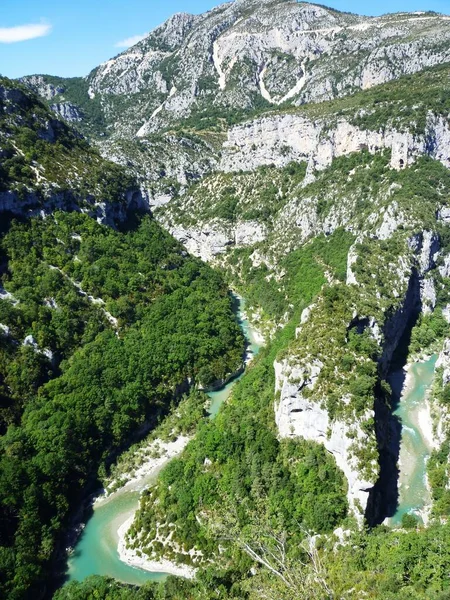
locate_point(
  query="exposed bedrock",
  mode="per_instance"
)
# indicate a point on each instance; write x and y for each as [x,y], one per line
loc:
[297,416]
[107,213]
[280,139]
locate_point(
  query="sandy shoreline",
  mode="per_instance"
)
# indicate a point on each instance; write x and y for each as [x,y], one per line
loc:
[139,470]
[420,415]
[130,557]
[150,466]
[425,424]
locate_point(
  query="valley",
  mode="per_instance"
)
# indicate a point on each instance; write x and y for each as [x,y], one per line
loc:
[299,156]
[97,550]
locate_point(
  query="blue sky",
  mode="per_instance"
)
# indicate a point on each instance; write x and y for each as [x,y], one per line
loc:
[70,37]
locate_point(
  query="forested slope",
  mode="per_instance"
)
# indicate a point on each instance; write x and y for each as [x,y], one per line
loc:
[101,330]
[305,153]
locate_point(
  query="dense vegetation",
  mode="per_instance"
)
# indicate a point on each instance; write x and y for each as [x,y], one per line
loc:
[239,456]
[105,376]
[101,330]
[237,460]
[393,565]
[305,271]
[42,158]
[193,503]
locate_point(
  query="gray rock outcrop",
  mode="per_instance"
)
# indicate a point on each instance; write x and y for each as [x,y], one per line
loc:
[297,416]
[68,111]
[280,139]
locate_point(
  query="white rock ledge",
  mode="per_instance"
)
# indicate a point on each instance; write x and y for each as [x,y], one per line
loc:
[280,139]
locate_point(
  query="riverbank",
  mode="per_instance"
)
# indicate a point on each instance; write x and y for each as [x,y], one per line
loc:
[130,557]
[101,545]
[151,458]
[412,386]
[101,548]
[257,337]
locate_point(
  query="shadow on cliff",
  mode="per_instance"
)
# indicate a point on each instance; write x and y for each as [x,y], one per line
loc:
[6,220]
[384,496]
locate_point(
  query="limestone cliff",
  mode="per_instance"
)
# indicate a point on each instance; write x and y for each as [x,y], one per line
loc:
[297,416]
[280,139]
[303,406]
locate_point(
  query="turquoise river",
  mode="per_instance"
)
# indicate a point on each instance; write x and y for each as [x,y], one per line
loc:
[96,549]
[416,445]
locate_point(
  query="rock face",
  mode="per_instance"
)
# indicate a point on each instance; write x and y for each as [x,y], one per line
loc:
[300,412]
[395,326]
[441,412]
[296,416]
[44,89]
[246,52]
[67,111]
[32,204]
[280,139]
[246,55]
[163,165]
[213,239]
[291,51]
[61,172]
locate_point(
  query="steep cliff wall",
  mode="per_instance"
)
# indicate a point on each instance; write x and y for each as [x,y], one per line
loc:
[107,213]
[280,139]
[297,416]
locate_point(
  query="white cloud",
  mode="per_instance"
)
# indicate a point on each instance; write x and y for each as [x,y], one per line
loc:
[131,41]
[10,35]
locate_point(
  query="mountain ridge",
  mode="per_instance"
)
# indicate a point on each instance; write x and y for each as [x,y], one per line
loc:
[146,66]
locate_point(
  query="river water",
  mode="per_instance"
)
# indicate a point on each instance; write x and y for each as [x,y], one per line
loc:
[415,447]
[96,550]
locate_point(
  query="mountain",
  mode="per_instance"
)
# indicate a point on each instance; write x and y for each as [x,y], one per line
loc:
[304,153]
[247,53]
[333,217]
[208,71]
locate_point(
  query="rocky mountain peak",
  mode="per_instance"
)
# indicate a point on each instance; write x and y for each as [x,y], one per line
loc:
[261,3]
[171,33]
[249,53]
